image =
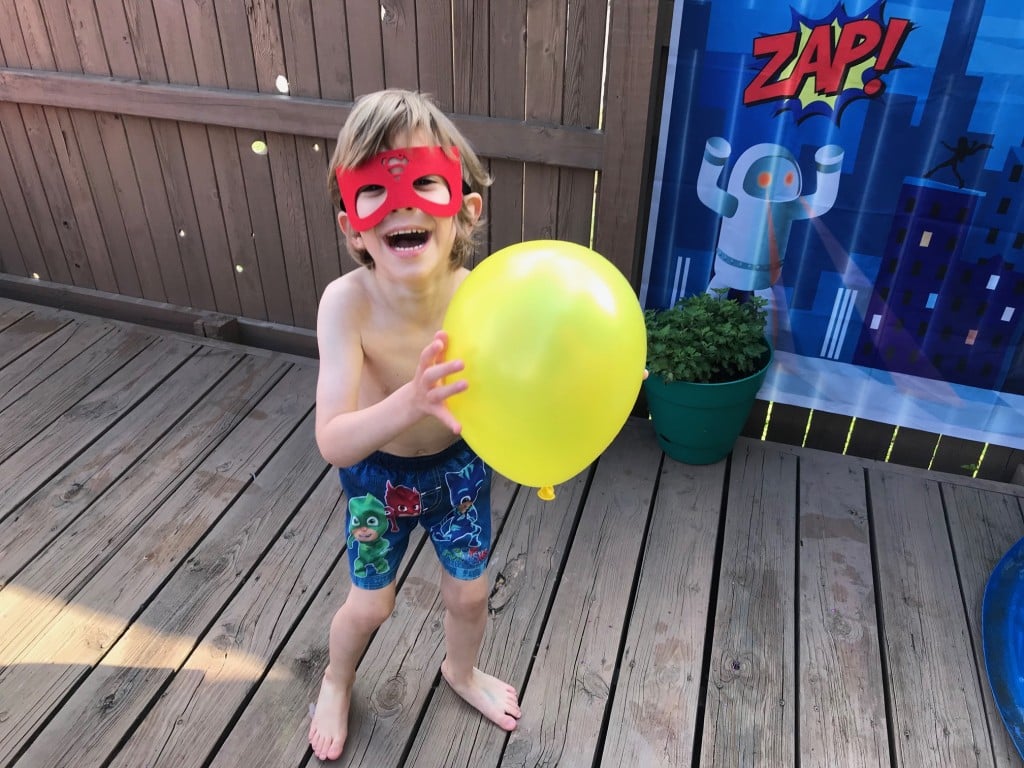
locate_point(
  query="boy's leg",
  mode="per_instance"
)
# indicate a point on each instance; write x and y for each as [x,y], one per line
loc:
[363,611]
[464,622]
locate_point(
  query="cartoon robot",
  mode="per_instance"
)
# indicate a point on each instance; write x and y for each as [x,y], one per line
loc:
[758,209]
[463,488]
[367,523]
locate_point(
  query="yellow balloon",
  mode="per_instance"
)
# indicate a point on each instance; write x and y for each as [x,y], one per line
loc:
[554,346]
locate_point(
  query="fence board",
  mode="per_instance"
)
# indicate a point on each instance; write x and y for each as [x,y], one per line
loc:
[828,431]
[366,47]
[631,41]
[471,53]
[1000,463]
[545,52]
[508,99]
[913,447]
[398,37]
[870,439]
[332,53]
[787,425]
[434,51]
[956,455]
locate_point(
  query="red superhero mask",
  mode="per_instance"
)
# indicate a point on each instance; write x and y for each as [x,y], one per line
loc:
[397,172]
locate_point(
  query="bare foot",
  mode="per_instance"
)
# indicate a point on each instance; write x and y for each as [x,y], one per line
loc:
[330,720]
[496,700]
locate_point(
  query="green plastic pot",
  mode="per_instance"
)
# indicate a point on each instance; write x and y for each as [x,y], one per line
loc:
[699,423]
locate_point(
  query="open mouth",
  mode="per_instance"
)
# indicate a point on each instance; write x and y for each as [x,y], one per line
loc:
[407,239]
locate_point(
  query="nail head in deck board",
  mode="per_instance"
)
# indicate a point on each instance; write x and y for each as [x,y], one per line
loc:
[568,691]
[291,542]
[937,710]
[841,717]
[750,714]
[654,712]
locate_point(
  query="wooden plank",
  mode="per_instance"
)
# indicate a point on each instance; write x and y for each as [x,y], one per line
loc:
[51,17]
[116,254]
[827,431]
[471,53]
[983,526]
[842,718]
[335,75]
[273,730]
[936,706]
[870,439]
[1000,463]
[17,209]
[140,257]
[913,447]
[265,557]
[627,109]
[35,383]
[525,580]
[533,141]
[545,53]
[227,192]
[77,487]
[95,537]
[299,37]
[788,424]
[434,46]
[30,329]
[146,554]
[11,258]
[570,683]
[750,713]
[508,100]
[366,49]
[957,456]
[399,42]
[78,427]
[655,711]
[583,81]
[754,426]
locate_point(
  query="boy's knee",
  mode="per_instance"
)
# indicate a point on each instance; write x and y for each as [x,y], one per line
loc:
[466,598]
[368,610]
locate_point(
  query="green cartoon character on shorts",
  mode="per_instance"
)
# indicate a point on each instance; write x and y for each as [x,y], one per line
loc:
[368,521]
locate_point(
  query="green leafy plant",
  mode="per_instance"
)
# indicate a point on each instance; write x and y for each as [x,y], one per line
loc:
[707,339]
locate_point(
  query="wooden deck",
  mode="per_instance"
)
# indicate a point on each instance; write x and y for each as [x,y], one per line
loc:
[171,552]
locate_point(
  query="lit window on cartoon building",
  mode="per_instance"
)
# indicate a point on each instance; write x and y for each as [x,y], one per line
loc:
[993,281]
[876,322]
[932,298]
[1007,314]
[926,239]
[971,337]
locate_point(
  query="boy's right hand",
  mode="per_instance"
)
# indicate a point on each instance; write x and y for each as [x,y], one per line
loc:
[429,391]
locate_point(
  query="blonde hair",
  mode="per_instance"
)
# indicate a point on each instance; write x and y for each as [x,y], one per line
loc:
[376,120]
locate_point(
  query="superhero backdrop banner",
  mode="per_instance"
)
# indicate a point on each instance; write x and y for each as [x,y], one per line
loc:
[860,166]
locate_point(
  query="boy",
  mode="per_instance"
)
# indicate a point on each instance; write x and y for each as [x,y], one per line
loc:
[405,180]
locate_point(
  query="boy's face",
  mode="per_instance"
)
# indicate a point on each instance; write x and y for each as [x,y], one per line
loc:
[400,206]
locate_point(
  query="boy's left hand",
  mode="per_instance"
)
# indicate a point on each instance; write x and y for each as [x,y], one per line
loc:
[429,391]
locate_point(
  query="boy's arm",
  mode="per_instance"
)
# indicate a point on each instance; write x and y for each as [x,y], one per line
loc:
[345,433]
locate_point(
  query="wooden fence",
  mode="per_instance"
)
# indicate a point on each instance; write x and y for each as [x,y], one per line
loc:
[128,162]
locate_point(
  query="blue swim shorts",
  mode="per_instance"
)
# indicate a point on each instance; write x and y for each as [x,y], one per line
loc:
[448,493]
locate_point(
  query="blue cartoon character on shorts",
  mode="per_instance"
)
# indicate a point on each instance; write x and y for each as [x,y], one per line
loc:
[461,526]
[367,523]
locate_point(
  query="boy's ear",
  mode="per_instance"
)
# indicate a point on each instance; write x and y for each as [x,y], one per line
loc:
[474,205]
[350,233]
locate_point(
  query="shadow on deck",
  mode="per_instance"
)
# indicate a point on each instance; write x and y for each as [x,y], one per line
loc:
[171,554]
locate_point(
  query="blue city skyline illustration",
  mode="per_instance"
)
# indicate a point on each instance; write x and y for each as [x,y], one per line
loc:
[918,267]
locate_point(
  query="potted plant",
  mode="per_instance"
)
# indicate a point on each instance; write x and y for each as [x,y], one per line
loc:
[707,357]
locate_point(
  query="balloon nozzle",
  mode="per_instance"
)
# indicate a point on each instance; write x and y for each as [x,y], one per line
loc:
[547,493]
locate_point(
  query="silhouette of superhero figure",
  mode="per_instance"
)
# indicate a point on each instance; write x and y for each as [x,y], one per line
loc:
[961,152]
